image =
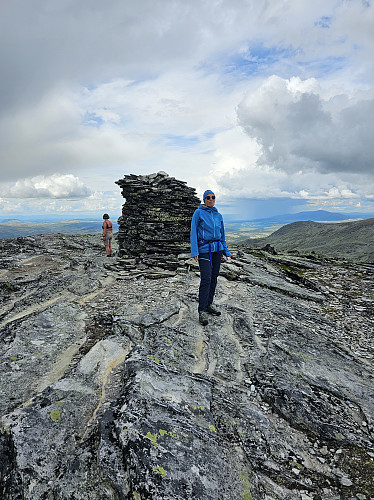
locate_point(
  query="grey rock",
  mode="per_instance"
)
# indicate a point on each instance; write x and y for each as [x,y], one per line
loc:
[156,219]
[110,388]
[345,481]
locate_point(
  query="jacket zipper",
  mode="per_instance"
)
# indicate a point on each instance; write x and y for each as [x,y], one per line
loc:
[214,228]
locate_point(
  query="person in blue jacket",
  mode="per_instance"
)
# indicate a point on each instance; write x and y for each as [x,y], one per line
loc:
[207,246]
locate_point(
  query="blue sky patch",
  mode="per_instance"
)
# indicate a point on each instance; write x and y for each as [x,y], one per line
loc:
[323,22]
[180,141]
[91,119]
[258,59]
[319,68]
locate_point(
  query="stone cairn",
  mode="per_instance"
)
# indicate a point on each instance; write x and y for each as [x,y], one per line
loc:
[154,229]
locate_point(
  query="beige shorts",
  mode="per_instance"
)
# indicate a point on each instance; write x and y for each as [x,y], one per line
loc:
[108,238]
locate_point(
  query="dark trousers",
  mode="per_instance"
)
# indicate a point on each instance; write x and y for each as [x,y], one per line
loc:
[208,278]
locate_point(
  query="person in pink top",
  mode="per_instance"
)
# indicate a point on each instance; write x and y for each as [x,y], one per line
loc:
[107,234]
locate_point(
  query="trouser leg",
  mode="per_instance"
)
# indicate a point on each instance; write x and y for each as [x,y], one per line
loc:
[205,279]
[216,261]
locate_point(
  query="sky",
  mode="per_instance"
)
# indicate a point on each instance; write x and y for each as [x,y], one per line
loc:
[270,104]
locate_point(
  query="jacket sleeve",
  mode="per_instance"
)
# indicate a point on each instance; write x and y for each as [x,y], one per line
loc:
[193,234]
[225,249]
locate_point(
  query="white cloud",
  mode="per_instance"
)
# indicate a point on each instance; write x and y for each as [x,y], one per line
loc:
[299,130]
[55,186]
[54,136]
[93,206]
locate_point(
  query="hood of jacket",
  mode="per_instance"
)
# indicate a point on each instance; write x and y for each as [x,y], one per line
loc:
[208,209]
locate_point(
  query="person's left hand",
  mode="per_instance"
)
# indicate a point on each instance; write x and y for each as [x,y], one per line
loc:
[228,260]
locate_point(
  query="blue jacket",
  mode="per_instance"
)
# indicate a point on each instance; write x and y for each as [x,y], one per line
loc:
[207,224]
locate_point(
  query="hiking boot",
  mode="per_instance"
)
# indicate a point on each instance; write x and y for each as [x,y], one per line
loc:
[213,310]
[203,318]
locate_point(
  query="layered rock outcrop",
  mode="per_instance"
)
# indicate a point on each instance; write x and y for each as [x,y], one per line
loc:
[156,217]
[111,389]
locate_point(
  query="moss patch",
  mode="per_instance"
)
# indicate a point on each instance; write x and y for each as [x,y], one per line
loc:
[154,358]
[55,415]
[246,485]
[159,470]
[153,438]
[359,467]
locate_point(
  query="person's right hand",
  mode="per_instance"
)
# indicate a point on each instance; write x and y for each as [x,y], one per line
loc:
[196,258]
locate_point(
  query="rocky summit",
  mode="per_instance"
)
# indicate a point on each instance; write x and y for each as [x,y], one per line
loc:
[111,389]
[156,218]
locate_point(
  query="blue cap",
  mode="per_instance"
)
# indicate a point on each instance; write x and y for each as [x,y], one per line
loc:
[208,191]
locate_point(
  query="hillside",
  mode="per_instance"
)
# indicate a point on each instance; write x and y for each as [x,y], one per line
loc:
[111,389]
[353,240]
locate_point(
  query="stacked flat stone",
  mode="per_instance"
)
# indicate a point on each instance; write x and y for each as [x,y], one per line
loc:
[156,217]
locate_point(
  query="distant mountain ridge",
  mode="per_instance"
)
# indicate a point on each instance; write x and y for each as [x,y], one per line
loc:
[313,215]
[15,228]
[353,240]
[23,225]
[319,216]
[239,230]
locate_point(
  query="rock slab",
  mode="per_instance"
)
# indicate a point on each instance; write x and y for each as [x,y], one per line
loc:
[110,388]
